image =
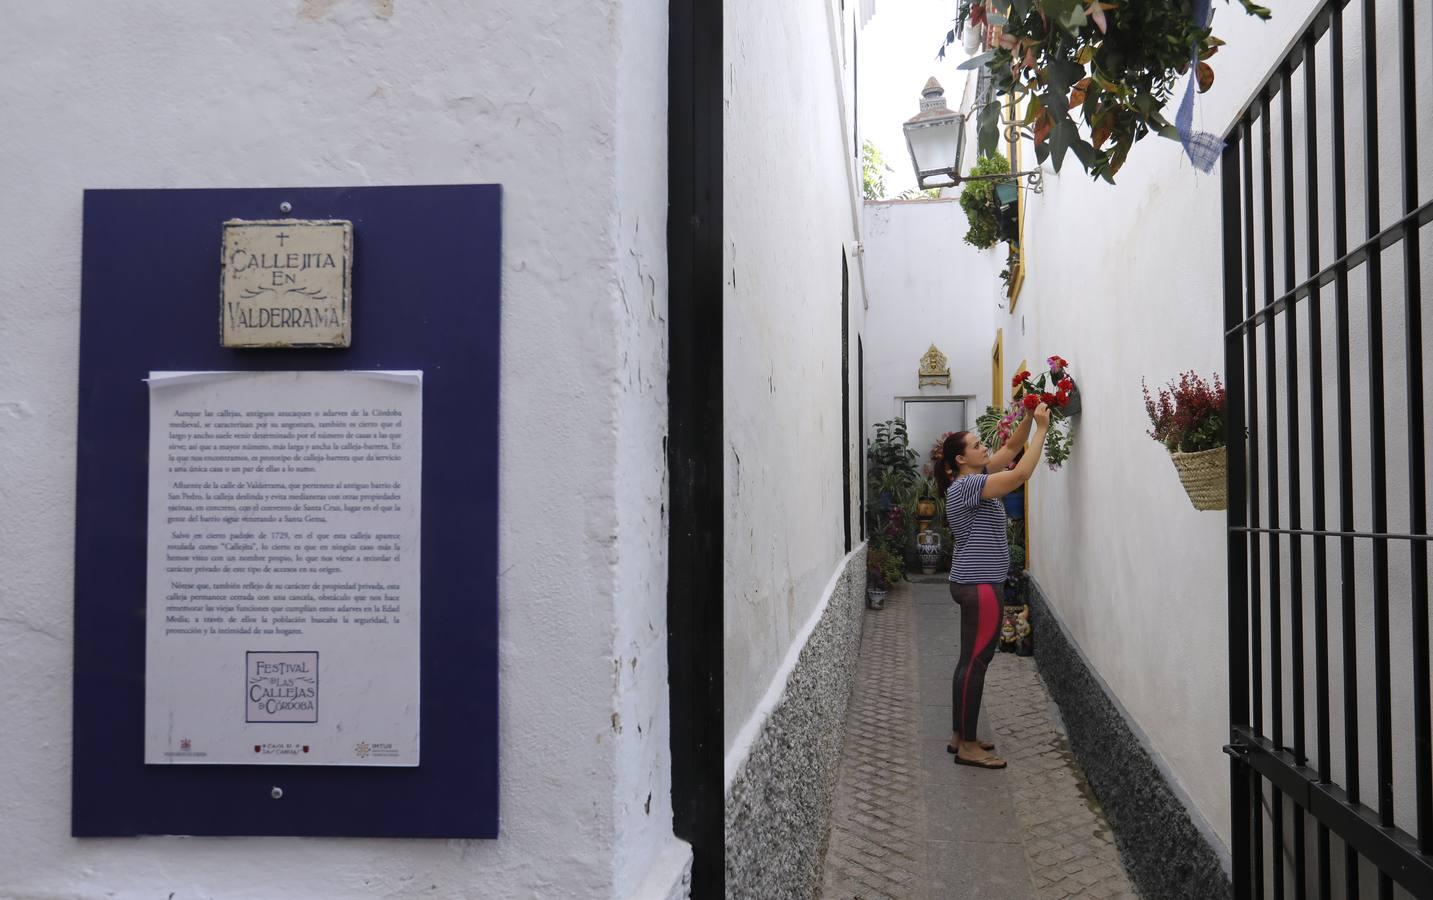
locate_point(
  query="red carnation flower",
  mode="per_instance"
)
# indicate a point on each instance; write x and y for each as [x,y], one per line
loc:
[1015,382]
[1062,398]
[1031,401]
[1047,399]
[1066,384]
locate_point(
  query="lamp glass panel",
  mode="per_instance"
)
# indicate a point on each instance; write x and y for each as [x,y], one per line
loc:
[935,146]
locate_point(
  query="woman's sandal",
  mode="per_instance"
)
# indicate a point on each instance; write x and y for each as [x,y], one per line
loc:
[989,762]
[984,745]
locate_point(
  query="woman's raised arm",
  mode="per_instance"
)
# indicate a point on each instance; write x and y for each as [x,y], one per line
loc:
[1000,459]
[999,484]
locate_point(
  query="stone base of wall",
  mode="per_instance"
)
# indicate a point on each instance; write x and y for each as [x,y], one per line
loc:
[779,806]
[1169,851]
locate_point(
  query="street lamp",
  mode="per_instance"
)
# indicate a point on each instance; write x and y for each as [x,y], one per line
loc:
[935,137]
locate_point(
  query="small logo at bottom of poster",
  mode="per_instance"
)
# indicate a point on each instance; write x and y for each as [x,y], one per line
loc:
[386,750]
[281,749]
[281,686]
[186,751]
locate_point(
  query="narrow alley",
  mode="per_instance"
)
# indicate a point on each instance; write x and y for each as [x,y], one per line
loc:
[907,823]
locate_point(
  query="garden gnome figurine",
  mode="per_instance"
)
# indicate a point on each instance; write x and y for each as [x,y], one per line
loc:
[1027,636]
[1007,630]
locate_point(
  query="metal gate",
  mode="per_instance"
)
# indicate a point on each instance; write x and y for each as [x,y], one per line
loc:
[1325,254]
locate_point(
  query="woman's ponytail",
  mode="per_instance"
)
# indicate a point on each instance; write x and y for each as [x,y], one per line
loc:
[953,447]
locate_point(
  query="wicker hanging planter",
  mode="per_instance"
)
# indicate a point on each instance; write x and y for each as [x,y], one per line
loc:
[1203,475]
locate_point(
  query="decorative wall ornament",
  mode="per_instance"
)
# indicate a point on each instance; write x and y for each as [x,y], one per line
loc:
[933,368]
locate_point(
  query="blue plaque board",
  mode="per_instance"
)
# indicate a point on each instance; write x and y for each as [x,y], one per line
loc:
[426,272]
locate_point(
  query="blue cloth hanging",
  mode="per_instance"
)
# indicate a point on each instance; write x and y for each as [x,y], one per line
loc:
[1202,148]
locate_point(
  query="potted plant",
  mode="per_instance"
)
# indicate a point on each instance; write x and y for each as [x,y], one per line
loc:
[1187,417]
[883,570]
[1015,500]
[982,207]
[1029,391]
[925,501]
[877,585]
[890,472]
[1116,65]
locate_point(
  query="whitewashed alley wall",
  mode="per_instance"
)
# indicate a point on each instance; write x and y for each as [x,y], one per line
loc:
[926,286]
[790,213]
[565,105]
[1125,282]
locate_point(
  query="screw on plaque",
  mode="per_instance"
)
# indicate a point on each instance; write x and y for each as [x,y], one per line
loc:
[276,793]
[286,207]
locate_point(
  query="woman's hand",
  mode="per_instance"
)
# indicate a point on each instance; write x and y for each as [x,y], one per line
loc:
[1042,417]
[998,484]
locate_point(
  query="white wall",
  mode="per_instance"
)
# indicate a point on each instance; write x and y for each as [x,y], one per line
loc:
[789,214]
[565,106]
[926,285]
[1125,282]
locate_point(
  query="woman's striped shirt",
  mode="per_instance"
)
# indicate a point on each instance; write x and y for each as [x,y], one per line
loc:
[982,551]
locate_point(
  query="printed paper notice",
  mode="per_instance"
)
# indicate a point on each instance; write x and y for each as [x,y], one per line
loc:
[282,594]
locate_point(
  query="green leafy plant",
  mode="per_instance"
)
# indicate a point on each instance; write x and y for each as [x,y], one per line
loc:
[883,569]
[873,172]
[1015,538]
[1115,63]
[893,483]
[987,425]
[1059,440]
[977,198]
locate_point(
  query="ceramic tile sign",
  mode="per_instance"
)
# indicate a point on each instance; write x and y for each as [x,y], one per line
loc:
[282,588]
[286,283]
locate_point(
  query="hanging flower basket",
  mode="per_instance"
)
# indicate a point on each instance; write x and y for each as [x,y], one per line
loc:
[1203,477]
[1187,418]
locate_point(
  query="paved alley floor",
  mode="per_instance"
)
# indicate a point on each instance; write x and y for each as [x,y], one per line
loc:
[907,823]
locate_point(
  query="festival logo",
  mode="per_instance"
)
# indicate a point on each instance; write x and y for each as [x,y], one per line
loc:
[282,686]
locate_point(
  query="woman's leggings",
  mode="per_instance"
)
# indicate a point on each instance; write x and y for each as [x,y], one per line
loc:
[979,625]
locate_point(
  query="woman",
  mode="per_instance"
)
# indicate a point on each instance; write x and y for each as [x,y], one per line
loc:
[974,480]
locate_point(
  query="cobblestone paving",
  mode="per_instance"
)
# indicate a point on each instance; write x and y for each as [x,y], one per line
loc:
[877,845]
[1068,845]
[907,823]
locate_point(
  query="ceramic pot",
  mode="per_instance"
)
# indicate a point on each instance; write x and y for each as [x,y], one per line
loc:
[928,549]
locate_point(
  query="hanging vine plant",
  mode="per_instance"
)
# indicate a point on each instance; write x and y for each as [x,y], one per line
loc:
[1115,63]
[977,198]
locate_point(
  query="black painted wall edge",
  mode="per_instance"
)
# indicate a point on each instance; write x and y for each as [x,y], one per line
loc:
[695,558]
[1170,849]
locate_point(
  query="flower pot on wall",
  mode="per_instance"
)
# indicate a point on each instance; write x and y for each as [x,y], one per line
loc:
[1014,504]
[1203,475]
[1007,221]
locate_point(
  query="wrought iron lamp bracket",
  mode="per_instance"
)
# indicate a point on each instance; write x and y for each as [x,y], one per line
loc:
[1034,179]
